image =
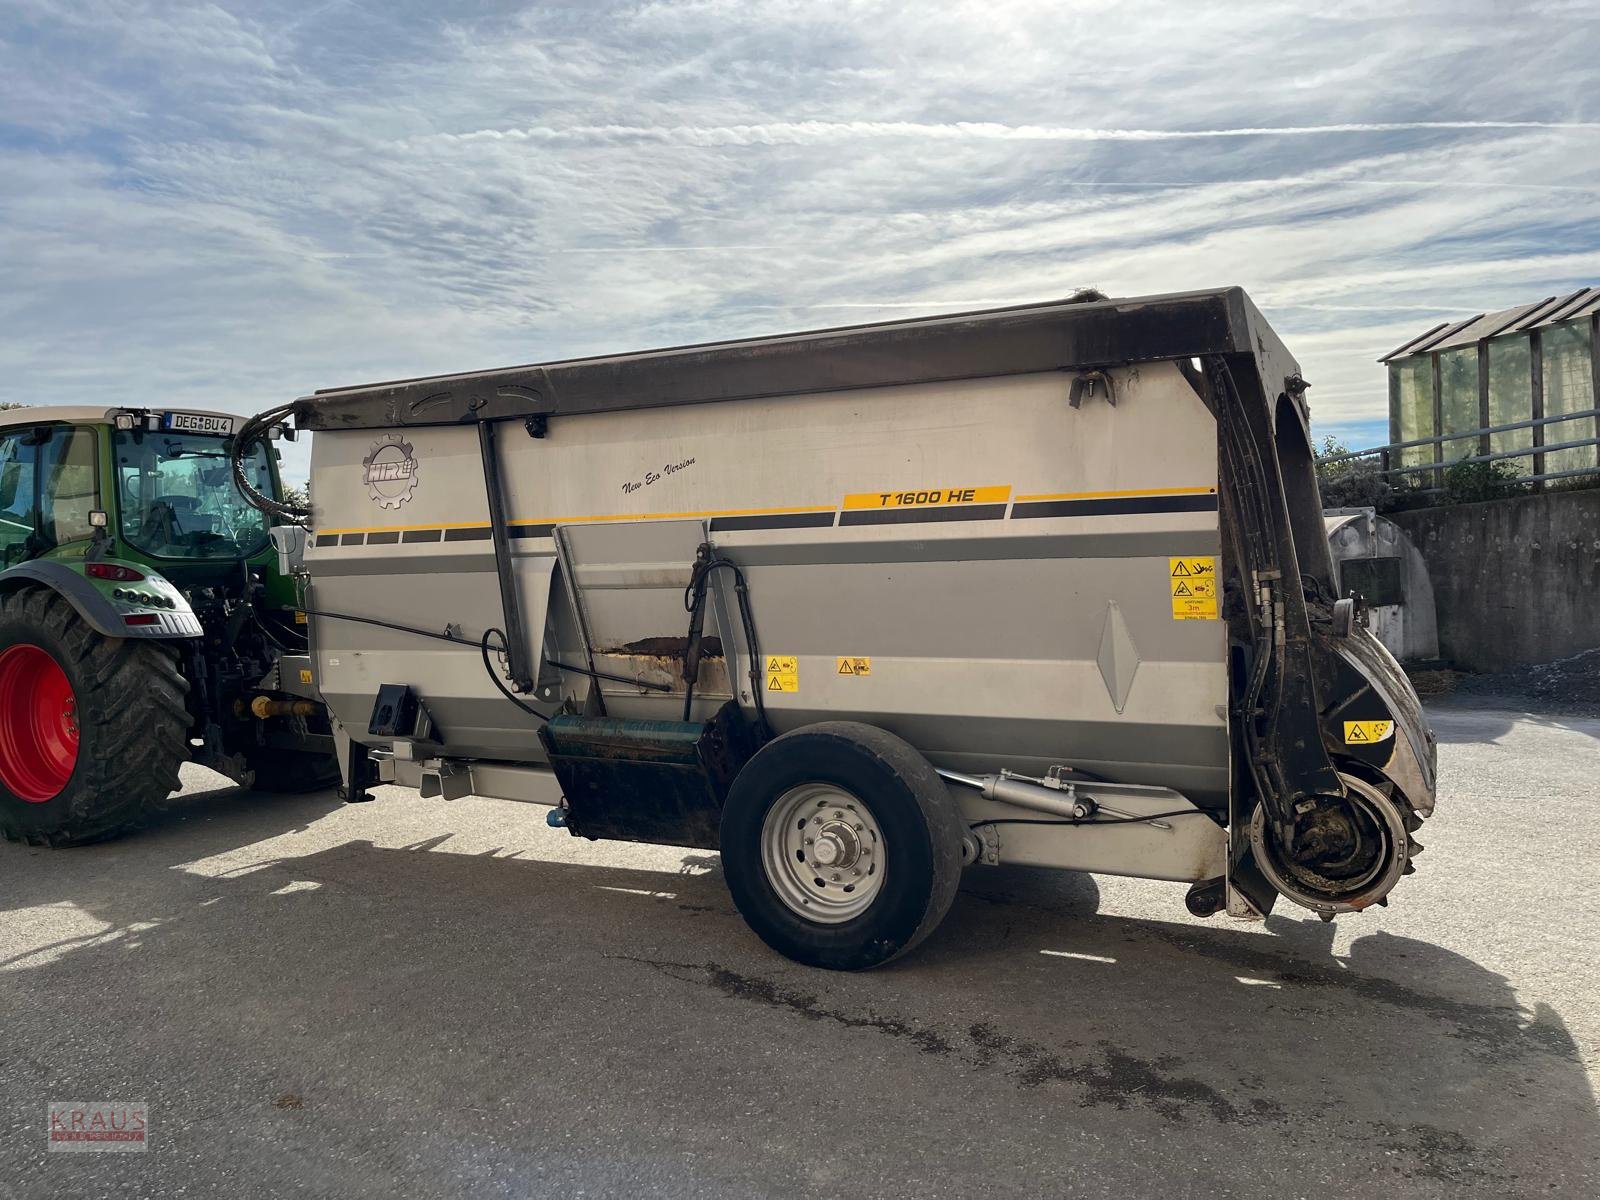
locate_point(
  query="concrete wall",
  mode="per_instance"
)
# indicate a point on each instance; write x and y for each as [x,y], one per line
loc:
[1516,581]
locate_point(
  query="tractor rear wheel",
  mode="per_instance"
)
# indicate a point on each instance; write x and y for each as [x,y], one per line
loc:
[92,728]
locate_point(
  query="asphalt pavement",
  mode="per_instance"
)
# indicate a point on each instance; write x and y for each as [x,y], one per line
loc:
[417,998]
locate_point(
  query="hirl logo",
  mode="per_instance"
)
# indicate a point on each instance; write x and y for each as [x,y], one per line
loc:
[390,471]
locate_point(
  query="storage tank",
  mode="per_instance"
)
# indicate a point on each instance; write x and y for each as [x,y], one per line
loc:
[1373,558]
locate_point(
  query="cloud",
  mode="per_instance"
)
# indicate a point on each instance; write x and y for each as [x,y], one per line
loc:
[231,204]
[815,132]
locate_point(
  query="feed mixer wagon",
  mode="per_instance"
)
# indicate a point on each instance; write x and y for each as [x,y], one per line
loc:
[862,608]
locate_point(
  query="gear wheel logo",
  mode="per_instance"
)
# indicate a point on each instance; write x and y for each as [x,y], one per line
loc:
[391,471]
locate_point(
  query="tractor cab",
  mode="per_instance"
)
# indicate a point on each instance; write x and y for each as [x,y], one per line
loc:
[156,487]
[137,583]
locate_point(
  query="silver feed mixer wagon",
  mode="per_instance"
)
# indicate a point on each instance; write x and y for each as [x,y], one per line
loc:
[863,607]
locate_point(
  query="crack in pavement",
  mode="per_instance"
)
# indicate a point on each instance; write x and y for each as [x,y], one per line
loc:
[1122,1080]
[1118,1080]
[765,992]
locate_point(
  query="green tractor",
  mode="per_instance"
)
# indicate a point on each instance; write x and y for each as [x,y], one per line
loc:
[145,619]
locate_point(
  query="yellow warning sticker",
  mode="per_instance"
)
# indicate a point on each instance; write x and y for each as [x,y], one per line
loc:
[1361,733]
[1193,585]
[299,617]
[926,497]
[855,666]
[305,676]
[783,673]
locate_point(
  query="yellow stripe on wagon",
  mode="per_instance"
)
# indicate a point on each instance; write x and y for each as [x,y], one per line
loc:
[928,497]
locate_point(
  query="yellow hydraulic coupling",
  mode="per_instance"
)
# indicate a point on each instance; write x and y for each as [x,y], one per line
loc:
[265,706]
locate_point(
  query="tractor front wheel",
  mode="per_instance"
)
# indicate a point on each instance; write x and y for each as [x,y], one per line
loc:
[92,728]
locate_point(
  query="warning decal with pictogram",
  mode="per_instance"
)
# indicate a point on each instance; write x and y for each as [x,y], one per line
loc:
[1363,733]
[1193,588]
[783,673]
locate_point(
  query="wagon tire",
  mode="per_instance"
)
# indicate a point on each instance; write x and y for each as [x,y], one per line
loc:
[841,846]
[92,728]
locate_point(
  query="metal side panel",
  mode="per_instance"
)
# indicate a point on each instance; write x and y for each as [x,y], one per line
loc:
[628,580]
[412,547]
[999,557]
[353,660]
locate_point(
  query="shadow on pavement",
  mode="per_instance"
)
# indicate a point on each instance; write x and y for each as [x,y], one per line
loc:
[1469,719]
[418,992]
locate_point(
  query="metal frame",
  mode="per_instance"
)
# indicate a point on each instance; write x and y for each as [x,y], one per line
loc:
[516,640]
[1538,450]
[1028,339]
[569,580]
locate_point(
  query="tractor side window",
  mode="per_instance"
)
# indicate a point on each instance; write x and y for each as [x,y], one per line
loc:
[68,494]
[17,515]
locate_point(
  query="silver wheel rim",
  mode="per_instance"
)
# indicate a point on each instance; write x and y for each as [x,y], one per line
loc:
[823,853]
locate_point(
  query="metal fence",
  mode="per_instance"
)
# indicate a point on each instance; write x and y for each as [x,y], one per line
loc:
[1391,467]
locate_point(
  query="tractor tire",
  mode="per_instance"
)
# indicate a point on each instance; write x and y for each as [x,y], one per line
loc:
[289,772]
[92,728]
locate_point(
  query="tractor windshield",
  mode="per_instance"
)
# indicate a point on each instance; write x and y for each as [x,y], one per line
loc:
[178,499]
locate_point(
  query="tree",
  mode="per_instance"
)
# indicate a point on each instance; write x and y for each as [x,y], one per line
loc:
[1352,482]
[6,405]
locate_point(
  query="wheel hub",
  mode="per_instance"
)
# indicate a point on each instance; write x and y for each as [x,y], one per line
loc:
[823,853]
[1346,853]
[837,845]
[38,724]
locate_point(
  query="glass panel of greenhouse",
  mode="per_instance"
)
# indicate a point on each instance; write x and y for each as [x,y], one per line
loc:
[1568,387]
[1413,397]
[1511,396]
[1458,401]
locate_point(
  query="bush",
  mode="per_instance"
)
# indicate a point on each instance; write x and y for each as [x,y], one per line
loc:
[1471,482]
[1353,483]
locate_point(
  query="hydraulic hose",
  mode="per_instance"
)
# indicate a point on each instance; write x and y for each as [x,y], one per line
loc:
[694,599]
[252,432]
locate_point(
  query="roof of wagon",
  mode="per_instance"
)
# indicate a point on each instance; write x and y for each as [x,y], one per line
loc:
[1055,336]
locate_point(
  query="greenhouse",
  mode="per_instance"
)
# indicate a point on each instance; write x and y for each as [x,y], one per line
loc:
[1533,367]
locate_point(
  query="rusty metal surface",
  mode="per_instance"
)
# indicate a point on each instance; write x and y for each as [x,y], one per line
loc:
[669,647]
[661,782]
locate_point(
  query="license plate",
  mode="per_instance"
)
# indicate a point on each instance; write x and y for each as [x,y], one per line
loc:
[197,423]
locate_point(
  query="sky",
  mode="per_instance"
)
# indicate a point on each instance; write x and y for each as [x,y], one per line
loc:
[227,205]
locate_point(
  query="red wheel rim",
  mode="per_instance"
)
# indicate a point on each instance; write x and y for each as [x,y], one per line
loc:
[38,724]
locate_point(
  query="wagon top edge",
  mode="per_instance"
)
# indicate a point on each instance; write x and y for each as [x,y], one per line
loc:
[1057,336]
